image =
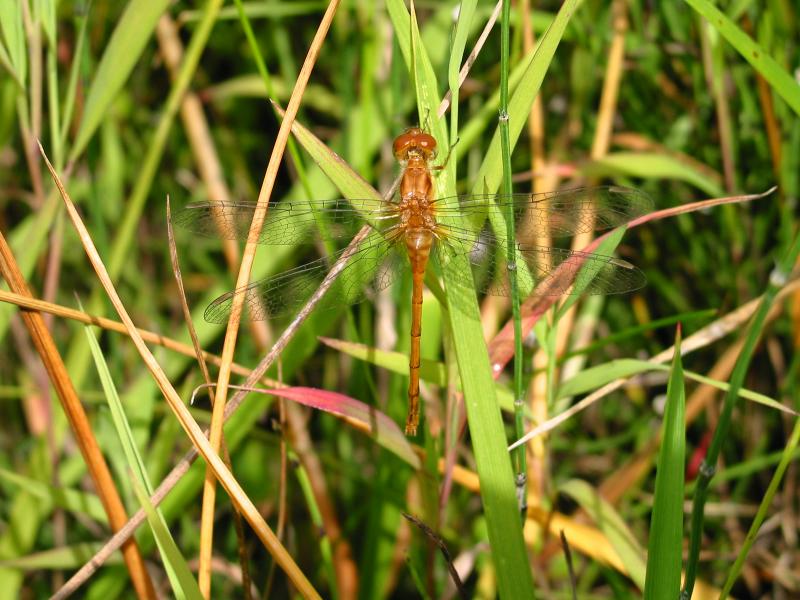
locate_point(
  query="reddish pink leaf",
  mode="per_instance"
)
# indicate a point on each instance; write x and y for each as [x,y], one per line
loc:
[365,417]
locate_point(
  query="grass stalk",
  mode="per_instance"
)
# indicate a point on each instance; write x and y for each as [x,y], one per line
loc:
[520,462]
[90,450]
[248,257]
[777,280]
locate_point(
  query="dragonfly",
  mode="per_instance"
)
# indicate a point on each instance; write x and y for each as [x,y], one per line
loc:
[418,231]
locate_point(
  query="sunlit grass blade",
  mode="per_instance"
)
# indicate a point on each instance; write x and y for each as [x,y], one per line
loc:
[665,547]
[651,166]
[15,53]
[133,30]
[781,81]
[184,584]
[175,565]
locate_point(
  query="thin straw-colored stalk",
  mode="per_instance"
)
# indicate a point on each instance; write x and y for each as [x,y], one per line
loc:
[196,435]
[79,422]
[231,333]
[505,148]
[541,183]
[117,327]
[777,281]
[187,317]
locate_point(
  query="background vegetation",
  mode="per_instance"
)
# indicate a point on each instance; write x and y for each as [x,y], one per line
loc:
[139,101]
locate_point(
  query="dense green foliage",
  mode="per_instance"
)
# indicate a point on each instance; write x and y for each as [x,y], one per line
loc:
[644,95]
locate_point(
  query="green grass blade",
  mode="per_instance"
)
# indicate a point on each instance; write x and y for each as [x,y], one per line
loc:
[134,29]
[75,501]
[665,548]
[15,47]
[519,106]
[135,464]
[611,524]
[781,81]
[777,280]
[485,424]
[185,585]
[653,166]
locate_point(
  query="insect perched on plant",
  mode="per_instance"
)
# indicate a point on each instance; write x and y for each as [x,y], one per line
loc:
[416,228]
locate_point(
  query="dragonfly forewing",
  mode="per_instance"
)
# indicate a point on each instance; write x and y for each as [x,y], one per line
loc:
[287,222]
[561,213]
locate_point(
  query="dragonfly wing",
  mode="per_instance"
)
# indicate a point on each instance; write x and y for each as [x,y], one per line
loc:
[548,271]
[372,267]
[561,213]
[287,222]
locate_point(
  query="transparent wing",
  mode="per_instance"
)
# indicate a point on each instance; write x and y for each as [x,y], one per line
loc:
[562,213]
[372,267]
[548,272]
[287,222]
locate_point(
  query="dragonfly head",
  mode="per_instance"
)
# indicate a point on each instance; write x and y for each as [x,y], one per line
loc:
[414,141]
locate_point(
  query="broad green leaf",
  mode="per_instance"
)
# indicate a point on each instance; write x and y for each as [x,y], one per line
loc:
[124,49]
[652,166]
[665,548]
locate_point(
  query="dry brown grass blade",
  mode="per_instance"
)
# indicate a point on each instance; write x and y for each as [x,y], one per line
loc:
[206,157]
[253,377]
[232,487]
[111,325]
[231,333]
[79,422]
[226,457]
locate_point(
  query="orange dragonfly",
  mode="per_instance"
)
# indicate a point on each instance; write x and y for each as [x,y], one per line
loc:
[413,229]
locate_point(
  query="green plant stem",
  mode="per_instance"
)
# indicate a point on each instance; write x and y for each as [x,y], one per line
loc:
[707,468]
[505,148]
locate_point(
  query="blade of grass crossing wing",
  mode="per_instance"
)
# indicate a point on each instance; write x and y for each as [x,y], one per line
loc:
[483,413]
[665,548]
[511,236]
[585,276]
[134,462]
[490,173]
[185,586]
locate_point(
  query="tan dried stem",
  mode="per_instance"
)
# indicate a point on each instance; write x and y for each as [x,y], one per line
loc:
[195,434]
[117,327]
[79,422]
[704,337]
[231,333]
[226,457]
